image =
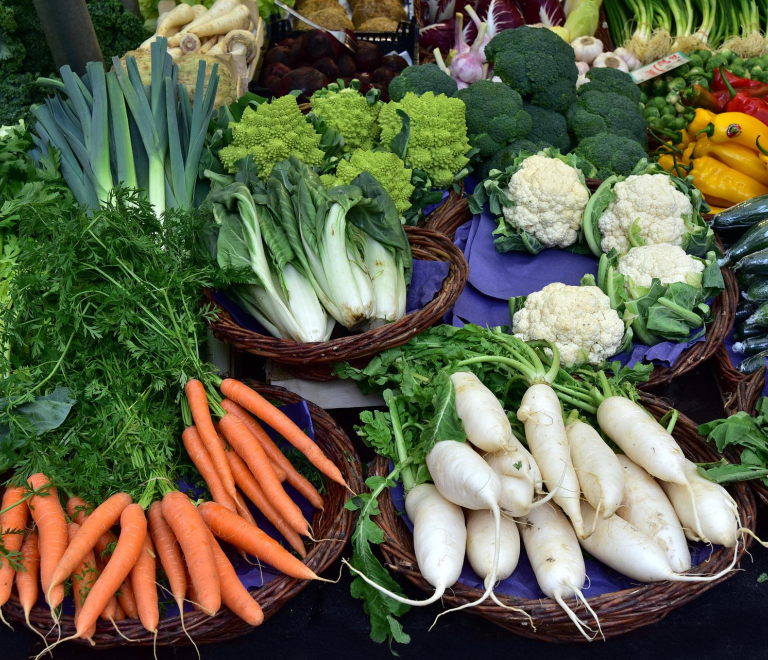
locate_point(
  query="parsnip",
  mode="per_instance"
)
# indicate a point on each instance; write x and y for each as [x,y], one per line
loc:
[218,8]
[180,15]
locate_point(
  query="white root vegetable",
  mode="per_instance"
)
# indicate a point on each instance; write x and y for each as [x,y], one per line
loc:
[482,417]
[199,11]
[597,468]
[175,53]
[439,541]
[556,559]
[480,545]
[518,474]
[622,547]
[544,429]
[178,16]
[237,19]
[647,443]
[218,8]
[242,46]
[207,45]
[516,461]
[646,507]
[719,512]
[190,43]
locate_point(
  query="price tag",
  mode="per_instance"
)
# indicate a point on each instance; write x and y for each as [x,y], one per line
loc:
[659,66]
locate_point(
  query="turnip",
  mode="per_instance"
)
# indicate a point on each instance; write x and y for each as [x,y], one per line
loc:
[544,429]
[720,514]
[482,417]
[647,443]
[622,547]
[646,507]
[556,559]
[597,468]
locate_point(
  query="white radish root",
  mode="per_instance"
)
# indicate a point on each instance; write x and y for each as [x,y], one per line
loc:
[482,417]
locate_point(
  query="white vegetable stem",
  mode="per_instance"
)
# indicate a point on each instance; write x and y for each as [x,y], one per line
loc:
[646,507]
[544,429]
[647,443]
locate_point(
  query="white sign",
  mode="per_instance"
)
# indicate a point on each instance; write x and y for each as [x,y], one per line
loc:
[658,67]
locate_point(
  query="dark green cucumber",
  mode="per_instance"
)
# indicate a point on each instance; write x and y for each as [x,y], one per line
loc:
[753,264]
[742,215]
[757,292]
[753,363]
[752,345]
[755,239]
[746,280]
[746,331]
[744,310]
[760,317]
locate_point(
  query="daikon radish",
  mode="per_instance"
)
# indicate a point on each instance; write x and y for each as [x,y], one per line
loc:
[517,486]
[482,417]
[719,512]
[646,507]
[647,443]
[545,431]
[556,559]
[597,468]
[622,547]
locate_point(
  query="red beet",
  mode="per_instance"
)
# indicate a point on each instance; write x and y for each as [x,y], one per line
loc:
[394,63]
[278,55]
[346,66]
[368,56]
[384,91]
[317,44]
[382,75]
[327,67]
[271,83]
[294,48]
[306,79]
[275,69]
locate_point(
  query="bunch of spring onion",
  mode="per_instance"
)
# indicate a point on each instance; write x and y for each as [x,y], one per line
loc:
[113,130]
[311,255]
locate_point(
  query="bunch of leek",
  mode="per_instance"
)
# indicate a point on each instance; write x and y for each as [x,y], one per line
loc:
[112,130]
[312,255]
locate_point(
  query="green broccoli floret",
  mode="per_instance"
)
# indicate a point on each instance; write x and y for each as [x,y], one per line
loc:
[536,63]
[607,112]
[383,166]
[548,126]
[350,113]
[117,30]
[420,78]
[611,154]
[495,116]
[438,140]
[272,133]
[503,158]
[605,79]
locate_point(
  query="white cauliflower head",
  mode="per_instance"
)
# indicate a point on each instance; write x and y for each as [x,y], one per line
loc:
[549,199]
[650,207]
[579,320]
[667,263]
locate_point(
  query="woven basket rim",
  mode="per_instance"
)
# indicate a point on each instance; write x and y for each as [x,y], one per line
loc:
[620,611]
[426,244]
[334,522]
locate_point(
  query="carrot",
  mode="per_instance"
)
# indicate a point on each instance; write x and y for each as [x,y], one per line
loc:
[202,461]
[185,521]
[192,594]
[198,404]
[143,578]
[83,576]
[119,613]
[243,510]
[78,510]
[110,610]
[231,528]
[243,442]
[52,527]
[234,595]
[275,455]
[281,474]
[248,484]
[26,580]
[133,530]
[265,411]
[124,595]
[96,524]
[169,553]
[12,525]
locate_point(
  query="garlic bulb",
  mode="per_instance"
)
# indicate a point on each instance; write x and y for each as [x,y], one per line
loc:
[583,67]
[632,61]
[611,61]
[581,80]
[587,49]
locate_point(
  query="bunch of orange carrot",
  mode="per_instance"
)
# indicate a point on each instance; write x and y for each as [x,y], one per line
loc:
[233,453]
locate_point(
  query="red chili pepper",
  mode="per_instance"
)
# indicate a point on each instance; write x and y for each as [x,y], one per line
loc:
[700,97]
[743,102]
[759,92]
[718,82]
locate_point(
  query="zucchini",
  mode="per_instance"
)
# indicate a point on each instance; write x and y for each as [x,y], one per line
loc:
[755,239]
[758,292]
[747,331]
[746,280]
[744,310]
[760,317]
[752,345]
[742,216]
[753,264]
[753,363]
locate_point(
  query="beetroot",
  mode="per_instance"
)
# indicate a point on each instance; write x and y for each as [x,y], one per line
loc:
[306,79]
[346,66]
[327,67]
[276,55]
[271,83]
[384,91]
[368,56]
[275,69]
[382,75]
[294,48]
[394,63]
[317,44]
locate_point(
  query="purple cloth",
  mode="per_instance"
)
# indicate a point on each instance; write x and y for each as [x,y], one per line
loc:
[522,583]
[496,277]
[431,207]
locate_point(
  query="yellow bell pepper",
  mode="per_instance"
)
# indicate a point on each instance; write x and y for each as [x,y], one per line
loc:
[716,201]
[667,163]
[737,156]
[714,178]
[737,128]
[700,121]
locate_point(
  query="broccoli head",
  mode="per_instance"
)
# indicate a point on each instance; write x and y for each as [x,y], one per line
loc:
[495,116]
[420,78]
[611,154]
[606,79]
[505,156]
[536,63]
[548,126]
[607,112]
[350,113]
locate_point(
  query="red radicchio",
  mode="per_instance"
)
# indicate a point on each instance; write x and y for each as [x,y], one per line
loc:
[439,35]
[498,14]
[438,11]
[547,12]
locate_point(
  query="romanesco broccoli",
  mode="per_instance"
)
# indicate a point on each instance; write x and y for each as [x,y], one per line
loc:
[350,113]
[270,134]
[438,135]
[383,166]
[420,78]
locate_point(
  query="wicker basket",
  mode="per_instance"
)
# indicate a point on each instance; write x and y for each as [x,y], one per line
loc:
[333,525]
[739,391]
[315,360]
[619,612]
